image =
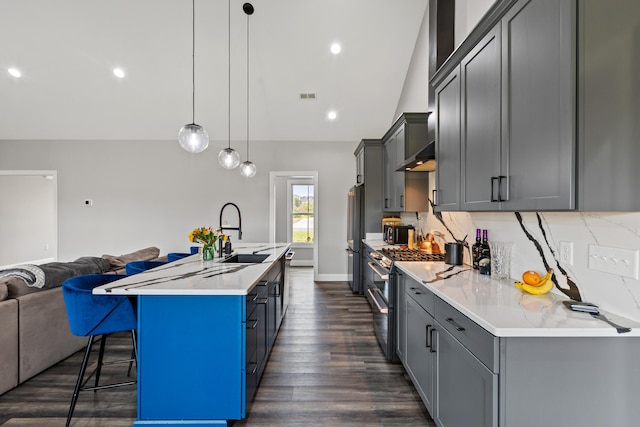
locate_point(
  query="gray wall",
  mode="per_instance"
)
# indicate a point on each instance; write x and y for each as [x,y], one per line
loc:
[152,193]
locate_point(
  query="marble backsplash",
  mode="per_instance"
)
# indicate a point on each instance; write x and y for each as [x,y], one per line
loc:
[536,237]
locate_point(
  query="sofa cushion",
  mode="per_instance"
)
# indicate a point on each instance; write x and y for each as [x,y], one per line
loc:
[118,262]
[4,291]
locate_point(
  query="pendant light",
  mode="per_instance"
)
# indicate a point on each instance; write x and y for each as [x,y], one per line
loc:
[228,157]
[192,137]
[248,168]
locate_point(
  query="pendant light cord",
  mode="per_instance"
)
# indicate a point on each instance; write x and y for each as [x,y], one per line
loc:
[248,87]
[193,61]
[229,55]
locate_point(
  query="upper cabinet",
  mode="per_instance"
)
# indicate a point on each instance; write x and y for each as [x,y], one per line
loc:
[505,140]
[404,191]
[608,105]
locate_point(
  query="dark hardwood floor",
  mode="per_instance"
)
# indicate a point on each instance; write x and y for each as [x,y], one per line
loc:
[326,369]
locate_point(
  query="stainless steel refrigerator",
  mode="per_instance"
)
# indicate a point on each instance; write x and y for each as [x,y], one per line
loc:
[355,234]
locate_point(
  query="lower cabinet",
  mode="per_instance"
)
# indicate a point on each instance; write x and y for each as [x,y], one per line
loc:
[456,385]
[466,390]
[420,359]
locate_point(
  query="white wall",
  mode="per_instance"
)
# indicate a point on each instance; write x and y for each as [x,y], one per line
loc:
[152,193]
[28,229]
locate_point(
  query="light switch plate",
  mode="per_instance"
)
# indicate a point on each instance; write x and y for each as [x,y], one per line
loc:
[622,262]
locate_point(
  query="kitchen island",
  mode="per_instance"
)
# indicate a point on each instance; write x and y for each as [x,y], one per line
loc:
[205,330]
[481,352]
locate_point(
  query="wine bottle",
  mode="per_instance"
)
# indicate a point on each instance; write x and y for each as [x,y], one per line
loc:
[475,250]
[484,262]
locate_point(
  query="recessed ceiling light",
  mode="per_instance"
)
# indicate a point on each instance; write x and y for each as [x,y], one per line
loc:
[118,72]
[331,115]
[14,72]
[336,48]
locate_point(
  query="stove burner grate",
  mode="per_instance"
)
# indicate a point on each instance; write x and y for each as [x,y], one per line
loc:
[405,254]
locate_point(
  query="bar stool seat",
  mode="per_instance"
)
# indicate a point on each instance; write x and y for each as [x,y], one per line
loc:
[97,315]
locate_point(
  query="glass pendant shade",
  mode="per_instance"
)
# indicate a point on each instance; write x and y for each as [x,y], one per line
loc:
[229,158]
[247,169]
[193,138]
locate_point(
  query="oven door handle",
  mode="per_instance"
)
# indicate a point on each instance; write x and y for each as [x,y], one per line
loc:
[378,300]
[384,275]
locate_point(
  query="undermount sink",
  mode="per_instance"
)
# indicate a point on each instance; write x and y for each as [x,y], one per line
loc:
[247,258]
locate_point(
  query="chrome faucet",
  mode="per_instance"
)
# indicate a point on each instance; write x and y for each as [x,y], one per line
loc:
[239,227]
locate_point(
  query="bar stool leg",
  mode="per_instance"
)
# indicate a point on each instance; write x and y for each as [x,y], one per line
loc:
[83,368]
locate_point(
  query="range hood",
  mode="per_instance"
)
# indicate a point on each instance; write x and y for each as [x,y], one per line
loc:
[423,161]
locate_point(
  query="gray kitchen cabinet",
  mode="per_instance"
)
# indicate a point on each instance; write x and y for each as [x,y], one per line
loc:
[419,359]
[401,316]
[368,165]
[404,191]
[466,386]
[446,195]
[608,107]
[515,115]
[538,106]
[480,155]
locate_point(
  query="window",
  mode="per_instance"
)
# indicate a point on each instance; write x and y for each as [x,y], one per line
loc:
[302,213]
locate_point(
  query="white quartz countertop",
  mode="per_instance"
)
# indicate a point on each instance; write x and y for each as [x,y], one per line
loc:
[504,310]
[193,276]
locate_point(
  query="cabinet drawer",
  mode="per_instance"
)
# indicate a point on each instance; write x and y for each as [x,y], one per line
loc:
[479,342]
[421,295]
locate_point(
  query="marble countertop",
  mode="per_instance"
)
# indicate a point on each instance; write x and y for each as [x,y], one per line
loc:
[504,310]
[193,276]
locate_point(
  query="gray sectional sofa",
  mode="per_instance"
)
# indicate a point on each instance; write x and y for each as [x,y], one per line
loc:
[34,330]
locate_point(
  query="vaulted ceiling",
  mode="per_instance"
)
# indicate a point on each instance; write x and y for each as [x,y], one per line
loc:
[66,51]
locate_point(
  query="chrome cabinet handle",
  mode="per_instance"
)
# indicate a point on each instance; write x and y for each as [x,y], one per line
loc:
[402,200]
[255,324]
[427,337]
[255,369]
[500,178]
[433,197]
[415,291]
[264,301]
[453,322]
[377,299]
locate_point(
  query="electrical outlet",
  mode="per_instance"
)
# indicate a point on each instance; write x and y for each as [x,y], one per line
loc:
[566,252]
[622,262]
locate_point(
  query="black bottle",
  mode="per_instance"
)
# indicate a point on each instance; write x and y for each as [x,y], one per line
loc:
[475,250]
[484,261]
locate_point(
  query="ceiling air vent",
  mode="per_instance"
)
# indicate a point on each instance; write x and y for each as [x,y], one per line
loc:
[308,96]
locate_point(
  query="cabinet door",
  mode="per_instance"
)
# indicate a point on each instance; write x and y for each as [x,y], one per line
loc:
[447,192]
[360,167]
[399,142]
[466,390]
[389,161]
[480,115]
[609,108]
[419,358]
[401,316]
[538,113]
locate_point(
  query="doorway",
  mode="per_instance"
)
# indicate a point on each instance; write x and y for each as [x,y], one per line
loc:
[29,226]
[293,207]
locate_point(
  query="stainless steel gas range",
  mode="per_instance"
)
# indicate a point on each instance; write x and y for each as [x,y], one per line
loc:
[379,282]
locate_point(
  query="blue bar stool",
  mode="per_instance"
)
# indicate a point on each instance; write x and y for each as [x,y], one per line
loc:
[135,267]
[93,315]
[174,256]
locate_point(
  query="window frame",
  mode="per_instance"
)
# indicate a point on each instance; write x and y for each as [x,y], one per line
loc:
[290,213]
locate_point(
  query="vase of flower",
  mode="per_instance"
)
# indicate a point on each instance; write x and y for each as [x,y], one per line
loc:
[208,237]
[208,252]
